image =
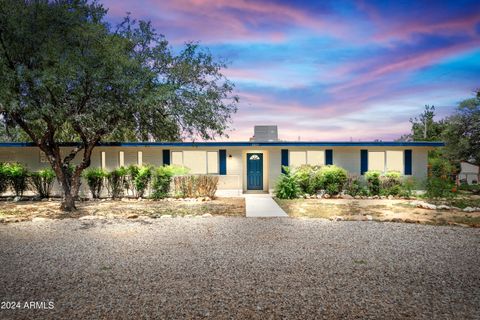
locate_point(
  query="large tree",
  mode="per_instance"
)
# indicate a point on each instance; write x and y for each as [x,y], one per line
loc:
[66,75]
[425,127]
[462,134]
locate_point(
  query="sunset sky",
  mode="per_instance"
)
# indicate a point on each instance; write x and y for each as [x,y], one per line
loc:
[333,70]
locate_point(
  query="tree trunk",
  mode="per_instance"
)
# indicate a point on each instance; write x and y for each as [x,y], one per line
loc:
[68,202]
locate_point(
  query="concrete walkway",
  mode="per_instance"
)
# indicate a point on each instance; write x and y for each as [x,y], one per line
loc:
[262,205]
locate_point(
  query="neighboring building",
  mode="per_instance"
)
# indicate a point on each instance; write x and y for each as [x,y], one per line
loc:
[251,165]
[469,173]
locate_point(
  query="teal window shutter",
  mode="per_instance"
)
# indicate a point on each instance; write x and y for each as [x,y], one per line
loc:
[166,157]
[363,161]
[222,156]
[407,162]
[328,156]
[284,160]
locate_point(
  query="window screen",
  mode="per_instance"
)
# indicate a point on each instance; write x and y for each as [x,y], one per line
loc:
[316,158]
[298,158]
[376,161]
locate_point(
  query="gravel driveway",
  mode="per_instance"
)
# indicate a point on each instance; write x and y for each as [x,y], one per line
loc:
[240,268]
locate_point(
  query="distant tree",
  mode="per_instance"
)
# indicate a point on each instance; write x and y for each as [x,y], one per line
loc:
[425,128]
[66,75]
[462,133]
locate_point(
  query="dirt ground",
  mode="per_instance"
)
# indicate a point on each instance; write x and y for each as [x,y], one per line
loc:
[26,210]
[379,210]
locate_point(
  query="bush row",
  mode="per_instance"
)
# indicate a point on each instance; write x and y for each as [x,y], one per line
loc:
[17,177]
[124,181]
[334,180]
[137,180]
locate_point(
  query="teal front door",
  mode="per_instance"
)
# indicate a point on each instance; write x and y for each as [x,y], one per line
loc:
[254,171]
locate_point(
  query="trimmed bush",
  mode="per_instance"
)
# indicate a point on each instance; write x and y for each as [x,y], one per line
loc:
[439,182]
[307,178]
[116,182]
[287,186]
[373,182]
[162,179]
[192,186]
[353,186]
[391,183]
[17,177]
[42,181]
[207,186]
[3,178]
[132,172]
[95,180]
[332,179]
[142,179]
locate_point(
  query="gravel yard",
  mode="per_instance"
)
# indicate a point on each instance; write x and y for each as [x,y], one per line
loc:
[231,267]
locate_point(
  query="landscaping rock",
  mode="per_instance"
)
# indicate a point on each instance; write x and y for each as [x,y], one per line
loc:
[132,216]
[358,197]
[423,205]
[347,196]
[443,207]
[40,219]
[166,216]
[469,209]
[326,196]
[390,197]
[336,218]
[206,215]
[369,217]
[188,216]
[16,199]
[383,197]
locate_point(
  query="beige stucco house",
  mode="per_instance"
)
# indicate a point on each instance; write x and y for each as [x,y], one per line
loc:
[246,166]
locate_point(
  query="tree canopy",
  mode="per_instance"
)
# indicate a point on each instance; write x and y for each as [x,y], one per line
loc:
[462,134]
[67,75]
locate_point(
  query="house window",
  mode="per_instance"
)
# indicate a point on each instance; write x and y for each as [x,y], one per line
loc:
[212,161]
[316,158]
[395,161]
[196,161]
[376,161]
[199,162]
[177,158]
[298,158]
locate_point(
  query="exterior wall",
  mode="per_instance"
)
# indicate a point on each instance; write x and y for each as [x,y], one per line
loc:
[469,173]
[234,182]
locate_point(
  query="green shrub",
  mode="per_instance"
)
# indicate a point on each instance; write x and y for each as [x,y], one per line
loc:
[17,177]
[95,180]
[391,183]
[408,184]
[162,178]
[116,182]
[42,181]
[287,186]
[3,178]
[353,186]
[440,168]
[132,172]
[440,188]
[332,178]
[142,179]
[373,182]
[307,177]
[439,182]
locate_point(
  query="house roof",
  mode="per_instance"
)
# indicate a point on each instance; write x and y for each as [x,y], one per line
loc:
[249,144]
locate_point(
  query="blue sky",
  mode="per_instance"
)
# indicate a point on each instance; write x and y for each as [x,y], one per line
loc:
[329,70]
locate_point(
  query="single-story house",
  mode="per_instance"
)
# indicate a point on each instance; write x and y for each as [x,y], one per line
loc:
[246,166]
[469,173]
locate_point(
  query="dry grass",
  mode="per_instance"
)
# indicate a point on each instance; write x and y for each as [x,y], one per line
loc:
[25,210]
[380,210]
